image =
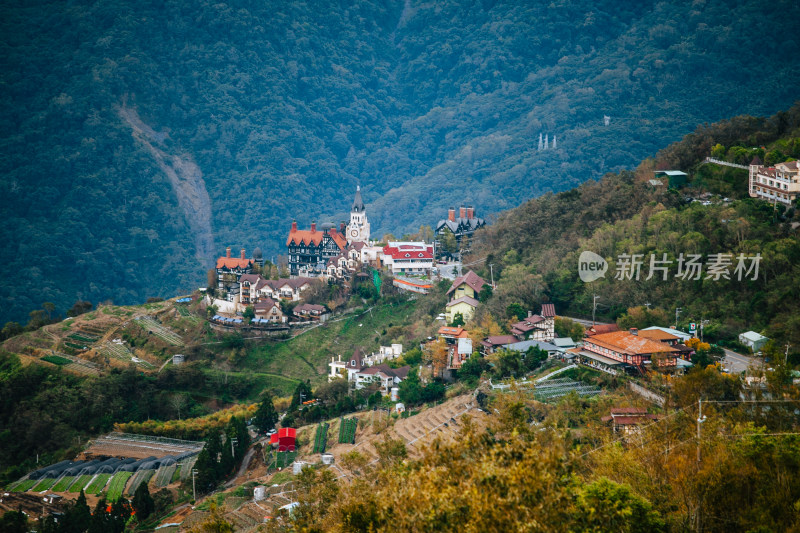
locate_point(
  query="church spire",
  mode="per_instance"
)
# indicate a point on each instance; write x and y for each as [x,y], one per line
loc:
[358,203]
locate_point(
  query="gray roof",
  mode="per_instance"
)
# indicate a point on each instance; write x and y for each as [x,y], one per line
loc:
[524,345]
[470,224]
[564,342]
[752,336]
[358,203]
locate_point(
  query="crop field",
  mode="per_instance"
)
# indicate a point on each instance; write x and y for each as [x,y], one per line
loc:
[24,485]
[186,468]
[142,476]
[98,484]
[81,482]
[44,484]
[56,360]
[176,475]
[117,485]
[116,351]
[162,332]
[164,476]
[62,485]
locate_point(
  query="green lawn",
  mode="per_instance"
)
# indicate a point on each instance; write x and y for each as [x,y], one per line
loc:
[56,360]
[117,485]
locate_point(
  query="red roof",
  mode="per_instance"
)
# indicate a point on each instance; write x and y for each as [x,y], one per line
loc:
[233,262]
[601,328]
[624,342]
[548,310]
[409,251]
[455,332]
[314,236]
[471,279]
[500,340]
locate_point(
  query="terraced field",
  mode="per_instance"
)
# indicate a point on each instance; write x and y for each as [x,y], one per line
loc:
[44,484]
[164,475]
[81,482]
[142,476]
[63,484]
[117,485]
[24,485]
[98,484]
[150,325]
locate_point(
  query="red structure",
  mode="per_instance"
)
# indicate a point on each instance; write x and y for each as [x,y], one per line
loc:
[284,439]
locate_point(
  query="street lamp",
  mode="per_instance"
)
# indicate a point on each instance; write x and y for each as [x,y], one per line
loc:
[194,490]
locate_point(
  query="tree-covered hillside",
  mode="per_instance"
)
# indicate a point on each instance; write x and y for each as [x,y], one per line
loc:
[140,139]
[535,248]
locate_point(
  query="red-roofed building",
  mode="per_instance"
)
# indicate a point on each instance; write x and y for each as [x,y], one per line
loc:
[599,329]
[269,309]
[492,344]
[537,327]
[309,250]
[285,439]
[629,420]
[229,270]
[459,345]
[630,350]
[408,258]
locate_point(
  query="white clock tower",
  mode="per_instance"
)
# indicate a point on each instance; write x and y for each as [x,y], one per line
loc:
[358,229]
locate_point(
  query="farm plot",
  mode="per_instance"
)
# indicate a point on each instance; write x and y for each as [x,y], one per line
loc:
[142,476]
[116,351]
[556,388]
[186,467]
[164,475]
[24,485]
[56,360]
[44,484]
[347,430]
[80,483]
[151,326]
[321,438]
[98,484]
[117,485]
[176,474]
[63,484]
[185,313]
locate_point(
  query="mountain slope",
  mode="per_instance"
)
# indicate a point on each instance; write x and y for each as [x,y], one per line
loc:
[285,106]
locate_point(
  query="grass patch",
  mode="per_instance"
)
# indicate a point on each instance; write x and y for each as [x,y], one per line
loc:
[176,475]
[307,356]
[117,485]
[282,477]
[56,360]
[62,485]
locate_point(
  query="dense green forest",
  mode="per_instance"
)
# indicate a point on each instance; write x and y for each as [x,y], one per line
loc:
[534,249]
[140,139]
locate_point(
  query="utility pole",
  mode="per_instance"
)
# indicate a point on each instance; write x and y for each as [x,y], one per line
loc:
[491,270]
[785,359]
[647,305]
[700,420]
[677,314]
[234,441]
[194,491]
[594,306]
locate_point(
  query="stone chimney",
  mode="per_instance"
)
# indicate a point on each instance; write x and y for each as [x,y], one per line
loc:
[462,212]
[471,212]
[242,254]
[294,226]
[228,251]
[634,331]
[451,214]
[313,227]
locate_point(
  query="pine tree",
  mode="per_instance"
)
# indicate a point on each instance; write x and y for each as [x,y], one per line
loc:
[266,416]
[143,502]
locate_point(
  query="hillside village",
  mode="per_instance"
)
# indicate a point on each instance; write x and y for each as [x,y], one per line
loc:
[394,387]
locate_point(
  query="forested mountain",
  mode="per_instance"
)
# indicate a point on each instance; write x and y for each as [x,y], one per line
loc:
[535,248]
[140,139]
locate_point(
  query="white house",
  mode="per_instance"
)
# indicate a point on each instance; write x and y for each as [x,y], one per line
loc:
[751,339]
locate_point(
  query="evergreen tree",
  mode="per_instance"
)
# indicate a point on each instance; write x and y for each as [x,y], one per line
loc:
[143,502]
[14,522]
[266,416]
[302,393]
[120,513]
[100,518]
